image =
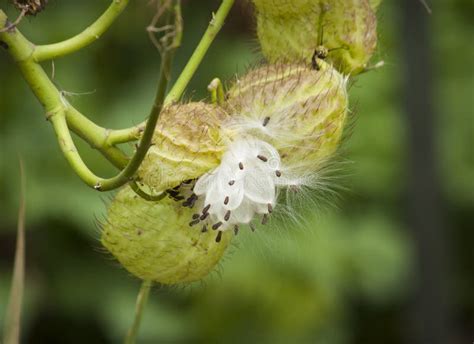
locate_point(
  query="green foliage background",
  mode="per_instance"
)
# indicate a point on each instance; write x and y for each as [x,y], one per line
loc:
[343,276]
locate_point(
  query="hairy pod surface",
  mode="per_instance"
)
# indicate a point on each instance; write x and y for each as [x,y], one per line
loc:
[153,240]
[291,31]
[298,110]
[186,144]
[375,4]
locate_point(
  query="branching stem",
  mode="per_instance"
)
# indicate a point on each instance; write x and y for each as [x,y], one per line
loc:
[83,39]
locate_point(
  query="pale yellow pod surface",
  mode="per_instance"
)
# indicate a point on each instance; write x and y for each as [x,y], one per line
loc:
[304,110]
[187,143]
[153,240]
[375,4]
[349,31]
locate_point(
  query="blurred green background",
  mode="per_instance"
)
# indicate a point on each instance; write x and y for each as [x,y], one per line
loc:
[354,273]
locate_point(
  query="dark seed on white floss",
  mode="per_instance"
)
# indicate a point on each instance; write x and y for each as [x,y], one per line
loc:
[270,208]
[216,225]
[265,121]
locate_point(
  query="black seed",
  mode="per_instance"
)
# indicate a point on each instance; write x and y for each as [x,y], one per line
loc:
[226,200]
[263,158]
[278,173]
[188,181]
[204,216]
[270,208]
[194,222]
[232,182]
[241,166]
[227,215]
[195,216]
[219,236]
[206,209]
[236,229]
[252,227]
[204,229]
[264,219]
[173,192]
[216,225]
[265,121]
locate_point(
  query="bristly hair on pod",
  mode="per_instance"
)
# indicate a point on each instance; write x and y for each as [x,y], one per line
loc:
[285,124]
[187,143]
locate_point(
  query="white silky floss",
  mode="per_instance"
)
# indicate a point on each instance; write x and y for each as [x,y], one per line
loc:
[243,185]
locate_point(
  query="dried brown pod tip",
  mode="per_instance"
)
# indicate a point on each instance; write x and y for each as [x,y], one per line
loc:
[30,7]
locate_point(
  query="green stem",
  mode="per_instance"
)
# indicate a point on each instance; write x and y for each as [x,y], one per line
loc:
[83,39]
[142,299]
[57,108]
[213,29]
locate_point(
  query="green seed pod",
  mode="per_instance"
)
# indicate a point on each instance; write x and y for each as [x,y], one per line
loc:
[292,33]
[298,110]
[186,144]
[153,240]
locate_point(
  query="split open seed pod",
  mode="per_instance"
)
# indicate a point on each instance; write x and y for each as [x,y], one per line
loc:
[153,240]
[300,111]
[291,31]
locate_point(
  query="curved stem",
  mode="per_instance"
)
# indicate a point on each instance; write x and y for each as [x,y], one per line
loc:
[151,198]
[142,300]
[124,135]
[213,29]
[57,108]
[96,136]
[86,37]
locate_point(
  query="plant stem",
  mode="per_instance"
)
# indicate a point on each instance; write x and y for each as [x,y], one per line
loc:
[86,37]
[213,29]
[142,299]
[57,108]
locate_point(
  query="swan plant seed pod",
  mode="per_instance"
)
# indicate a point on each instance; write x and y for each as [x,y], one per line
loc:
[285,124]
[153,240]
[291,31]
[300,111]
[186,144]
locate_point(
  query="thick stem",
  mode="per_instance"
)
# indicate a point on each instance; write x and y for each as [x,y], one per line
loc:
[86,37]
[142,300]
